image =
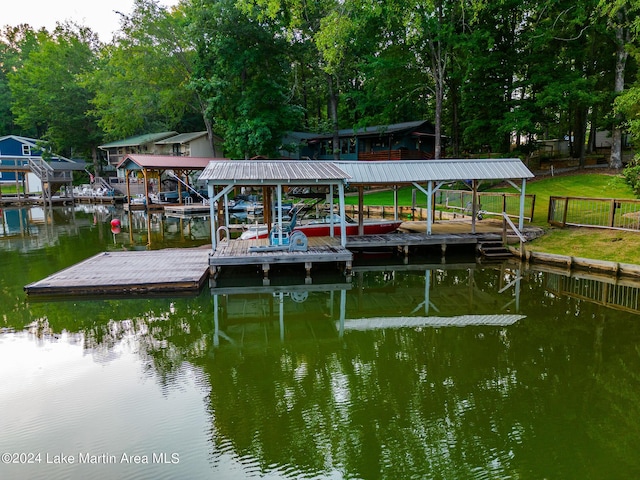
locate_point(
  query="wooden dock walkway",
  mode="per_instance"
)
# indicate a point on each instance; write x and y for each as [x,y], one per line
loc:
[173,270]
[185,270]
[186,209]
[243,252]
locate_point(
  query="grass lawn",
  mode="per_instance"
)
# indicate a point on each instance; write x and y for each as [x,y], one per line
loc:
[599,244]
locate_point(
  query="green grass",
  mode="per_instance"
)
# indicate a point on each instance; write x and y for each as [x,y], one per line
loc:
[599,244]
[592,185]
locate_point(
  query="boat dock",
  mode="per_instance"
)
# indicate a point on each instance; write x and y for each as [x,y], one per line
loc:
[184,270]
[257,252]
[169,271]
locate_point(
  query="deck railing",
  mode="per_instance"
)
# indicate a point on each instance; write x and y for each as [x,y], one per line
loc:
[608,213]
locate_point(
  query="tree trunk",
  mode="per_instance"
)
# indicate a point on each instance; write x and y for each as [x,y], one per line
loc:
[621,59]
[96,163]
[333,115]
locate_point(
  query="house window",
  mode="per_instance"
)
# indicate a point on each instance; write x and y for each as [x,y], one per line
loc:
[26,150]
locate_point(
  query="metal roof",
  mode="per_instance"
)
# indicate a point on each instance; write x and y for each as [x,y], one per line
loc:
[372,130]
[159,162]
[398,172]
[272,172]
[138,140]
[181,138]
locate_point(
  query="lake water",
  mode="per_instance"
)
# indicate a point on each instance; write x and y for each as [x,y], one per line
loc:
[426,370]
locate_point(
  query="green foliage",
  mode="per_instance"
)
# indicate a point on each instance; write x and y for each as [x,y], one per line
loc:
[631,174]
[251,69]
[141,85]
[48,93]
[240,74]
[15,45]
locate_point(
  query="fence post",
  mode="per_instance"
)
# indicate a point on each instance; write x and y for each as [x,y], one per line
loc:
[612,212]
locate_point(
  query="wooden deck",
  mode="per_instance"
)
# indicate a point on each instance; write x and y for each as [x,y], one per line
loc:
[184,270]
[186,209]
[243,252]
[175,271]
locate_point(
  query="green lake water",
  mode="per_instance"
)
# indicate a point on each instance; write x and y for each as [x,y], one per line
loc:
[456,370]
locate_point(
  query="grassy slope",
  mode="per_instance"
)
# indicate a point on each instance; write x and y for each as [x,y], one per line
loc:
[611,245]
[598,244]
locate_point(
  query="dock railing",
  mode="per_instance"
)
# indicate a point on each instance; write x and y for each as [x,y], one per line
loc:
[607,213]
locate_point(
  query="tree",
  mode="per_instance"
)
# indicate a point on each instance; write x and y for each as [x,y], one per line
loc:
[620,15]
[241,72]
[142,84]
[15,45]
[49,95]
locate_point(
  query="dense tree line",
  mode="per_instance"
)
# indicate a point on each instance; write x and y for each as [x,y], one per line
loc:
[489,74]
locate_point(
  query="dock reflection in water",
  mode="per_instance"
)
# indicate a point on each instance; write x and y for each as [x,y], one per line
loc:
[385,383]
[402,371]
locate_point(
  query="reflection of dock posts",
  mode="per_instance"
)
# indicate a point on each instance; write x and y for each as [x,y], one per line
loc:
[265,274]
[216,322]
[343,310]
[514,283]
[427,289]
[281,307]
[307,267]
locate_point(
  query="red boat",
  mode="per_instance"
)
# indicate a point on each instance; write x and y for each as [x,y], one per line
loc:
[322,228]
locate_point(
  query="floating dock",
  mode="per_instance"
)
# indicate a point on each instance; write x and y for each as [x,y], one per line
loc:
[174,271]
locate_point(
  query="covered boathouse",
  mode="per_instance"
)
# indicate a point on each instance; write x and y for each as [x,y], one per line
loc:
[332,178]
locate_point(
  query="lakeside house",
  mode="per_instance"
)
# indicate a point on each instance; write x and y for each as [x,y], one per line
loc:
[23,161]
[195,144]
[400,141]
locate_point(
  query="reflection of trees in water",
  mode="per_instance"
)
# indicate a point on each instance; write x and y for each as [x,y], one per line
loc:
[553,395]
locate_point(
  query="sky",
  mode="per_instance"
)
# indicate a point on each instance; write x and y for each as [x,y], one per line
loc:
[99,15]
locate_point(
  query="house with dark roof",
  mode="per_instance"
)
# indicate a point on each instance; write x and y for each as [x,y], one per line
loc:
[400,141]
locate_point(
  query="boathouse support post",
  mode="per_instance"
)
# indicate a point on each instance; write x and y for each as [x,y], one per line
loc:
[360,210]
[429,206]
[330,202]
[429,193]
[395,202]
[146,187]
[212,209]
[278,213]
[128,190]
[522,199]
[212,216]
[522,189]
[343,227]
[474,204]
[226,208]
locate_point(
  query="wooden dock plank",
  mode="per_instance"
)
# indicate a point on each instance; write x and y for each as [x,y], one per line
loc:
[117,273]
[320,249]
